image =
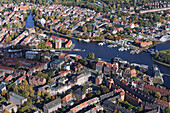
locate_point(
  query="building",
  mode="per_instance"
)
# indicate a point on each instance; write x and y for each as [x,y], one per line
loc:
[7,70]
[95,109]
[133,72]
[143,44]
[77,67]
[84,105]
[8,78]
[56,64]
[17,99]
[31,55]
[14,53]
[67,100]
[37,80]
[8,107]
[99,80]
[132,99]
[68,44]
[2,87]
[49,44]
[62,39]
[151,88]
[58,43]
[79,94]
[82,78]
[106,67]
[64,57]
[52,106]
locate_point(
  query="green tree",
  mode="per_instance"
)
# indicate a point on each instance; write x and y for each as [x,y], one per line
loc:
[84,29]
[4,92]
[39,93]
[17,66]
[8,39]
[84,89]
[98,92]
[104,89]
[167,110]
[15,89]
[91,56]
[158,95]
[164,98]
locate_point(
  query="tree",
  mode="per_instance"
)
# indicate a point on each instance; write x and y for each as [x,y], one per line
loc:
[17,66]
[39,93]
[4,92]
[98,74]
[98,92]
[164,98]
[7,26]
[36,28]
[84,29]
[40,31]
[12,111]
[91,56]
[38,57]
[167,110]
[8,39]
[15,89]
[104,89]
[48,96]
[158,95]
[84,89]
[6,111]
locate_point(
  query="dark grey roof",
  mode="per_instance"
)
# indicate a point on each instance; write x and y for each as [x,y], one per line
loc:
[2,86]
[53,103]
[17,96]
[111,106]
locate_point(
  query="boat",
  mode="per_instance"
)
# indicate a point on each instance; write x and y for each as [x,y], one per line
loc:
[137,51]
[121,49]
[78,50]
[101,43]
[114,45]
[80,39]
[132,52]
[110,46]
[86,40]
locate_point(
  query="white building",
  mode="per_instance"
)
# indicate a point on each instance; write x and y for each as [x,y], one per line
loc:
[58,43]
[31,54]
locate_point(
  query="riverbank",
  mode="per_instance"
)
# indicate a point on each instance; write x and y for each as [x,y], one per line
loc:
[168,65]
[57,33]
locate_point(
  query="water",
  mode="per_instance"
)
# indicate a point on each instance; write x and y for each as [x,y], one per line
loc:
[29,22]
[107,53]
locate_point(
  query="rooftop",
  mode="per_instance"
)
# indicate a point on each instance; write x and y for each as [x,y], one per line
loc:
[17,96]
[53,103]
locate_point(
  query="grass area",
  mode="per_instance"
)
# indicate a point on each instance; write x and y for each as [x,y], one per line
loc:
[159,62]
[57,33]
[158,81]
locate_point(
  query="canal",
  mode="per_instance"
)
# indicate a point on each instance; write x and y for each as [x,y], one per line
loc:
[107,53]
